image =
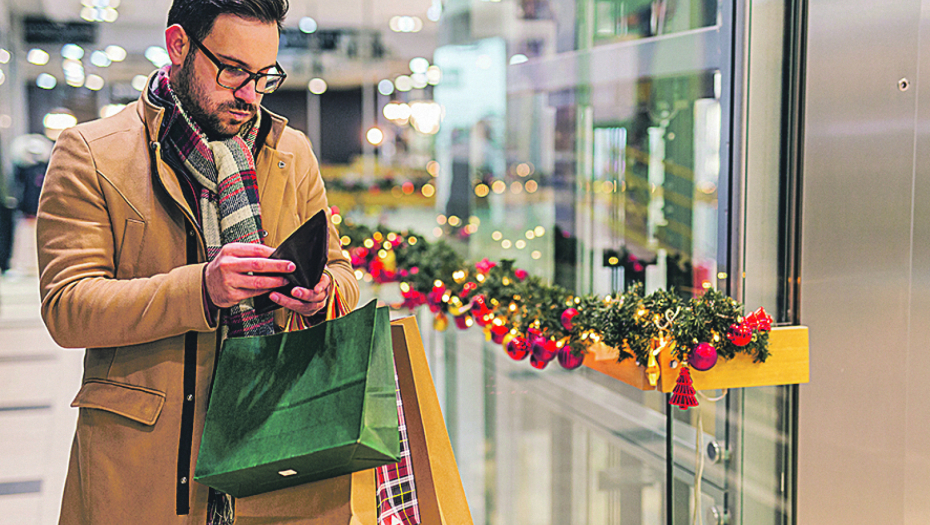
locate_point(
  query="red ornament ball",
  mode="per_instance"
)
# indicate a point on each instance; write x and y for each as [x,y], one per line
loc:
[740,334]
[463,321]
[498,332]
[537,363]
[703,357]
[567,317]
[544,349]
[568,359]
[518,348]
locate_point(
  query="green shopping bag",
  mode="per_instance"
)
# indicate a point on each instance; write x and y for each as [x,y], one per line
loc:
[297,407]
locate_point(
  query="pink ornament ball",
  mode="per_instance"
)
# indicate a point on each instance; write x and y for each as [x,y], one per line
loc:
[567,317]
[568,359]
[703,357]
[544,349]
[461,321]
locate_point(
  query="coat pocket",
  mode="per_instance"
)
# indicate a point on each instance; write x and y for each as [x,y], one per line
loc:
[130,247]
[137,403]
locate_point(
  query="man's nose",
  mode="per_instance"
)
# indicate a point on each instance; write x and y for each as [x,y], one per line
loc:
[247,93]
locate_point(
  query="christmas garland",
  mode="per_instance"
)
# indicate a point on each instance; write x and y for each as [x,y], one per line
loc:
[530,317]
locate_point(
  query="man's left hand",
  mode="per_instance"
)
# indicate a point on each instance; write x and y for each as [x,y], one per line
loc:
[304,301]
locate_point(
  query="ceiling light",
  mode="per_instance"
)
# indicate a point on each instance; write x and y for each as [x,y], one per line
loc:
[403,83]
[307,25]
[2,77]
[37,56]
[405,24]
[519,58]
[434,12]
[419,65]
[385,87]
[115,53]
[426,116]
[433,75]
[59,120]
[418,80]
[99,59]
[317,86]
[70,64]
[46,81]
[111,109]
[94,82]
[398,113]
[72,51]
[4,56]
[374,136]
[138,82]
[158,56]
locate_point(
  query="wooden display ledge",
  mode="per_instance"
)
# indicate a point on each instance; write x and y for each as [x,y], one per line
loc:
[788,363]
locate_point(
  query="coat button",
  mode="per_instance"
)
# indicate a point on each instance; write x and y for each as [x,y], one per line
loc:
[190,232]
[184,481]
[281,164]
[190,397]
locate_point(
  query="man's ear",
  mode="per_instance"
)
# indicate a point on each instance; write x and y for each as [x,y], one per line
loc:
[178,44]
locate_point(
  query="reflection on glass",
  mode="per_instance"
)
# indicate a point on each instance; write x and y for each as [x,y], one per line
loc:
[620,20]
[571,137]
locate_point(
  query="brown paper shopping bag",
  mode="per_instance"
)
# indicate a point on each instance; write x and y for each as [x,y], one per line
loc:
[346,500]
[439,491]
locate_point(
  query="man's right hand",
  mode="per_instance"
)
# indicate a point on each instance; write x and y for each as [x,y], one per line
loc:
[236,273]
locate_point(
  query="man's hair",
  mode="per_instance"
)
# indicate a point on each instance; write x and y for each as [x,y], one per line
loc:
[198,16]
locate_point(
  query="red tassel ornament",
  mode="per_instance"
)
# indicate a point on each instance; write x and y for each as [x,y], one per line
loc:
[683,396]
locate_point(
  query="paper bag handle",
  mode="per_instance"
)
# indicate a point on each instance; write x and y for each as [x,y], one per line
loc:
[335,307]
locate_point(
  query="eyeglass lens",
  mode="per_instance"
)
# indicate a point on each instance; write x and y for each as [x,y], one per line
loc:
[235,78]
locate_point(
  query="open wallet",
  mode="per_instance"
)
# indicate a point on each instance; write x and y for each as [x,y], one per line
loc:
[308,249]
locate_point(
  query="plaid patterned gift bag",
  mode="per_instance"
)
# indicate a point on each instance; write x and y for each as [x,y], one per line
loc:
[396,490]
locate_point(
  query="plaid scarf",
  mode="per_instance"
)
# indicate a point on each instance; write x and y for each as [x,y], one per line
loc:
[229,210]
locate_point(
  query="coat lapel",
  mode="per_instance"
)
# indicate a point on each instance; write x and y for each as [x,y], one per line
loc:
[271,169]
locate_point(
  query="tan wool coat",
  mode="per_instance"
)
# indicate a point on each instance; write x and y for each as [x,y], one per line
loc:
[115,235]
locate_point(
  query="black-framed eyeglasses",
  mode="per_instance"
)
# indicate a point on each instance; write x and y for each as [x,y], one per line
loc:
[234,77]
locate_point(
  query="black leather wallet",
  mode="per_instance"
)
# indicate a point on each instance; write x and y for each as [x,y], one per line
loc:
[308,249]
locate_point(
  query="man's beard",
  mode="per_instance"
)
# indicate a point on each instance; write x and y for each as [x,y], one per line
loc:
[191,96]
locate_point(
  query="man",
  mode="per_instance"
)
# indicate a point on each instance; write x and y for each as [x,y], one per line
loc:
[154,230]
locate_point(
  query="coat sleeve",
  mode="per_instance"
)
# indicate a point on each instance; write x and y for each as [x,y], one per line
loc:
[311,186]
[83,304]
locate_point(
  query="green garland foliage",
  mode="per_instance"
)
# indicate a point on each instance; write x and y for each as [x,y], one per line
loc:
[435,274]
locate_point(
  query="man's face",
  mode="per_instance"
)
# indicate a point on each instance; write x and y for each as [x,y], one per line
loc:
[248,44]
